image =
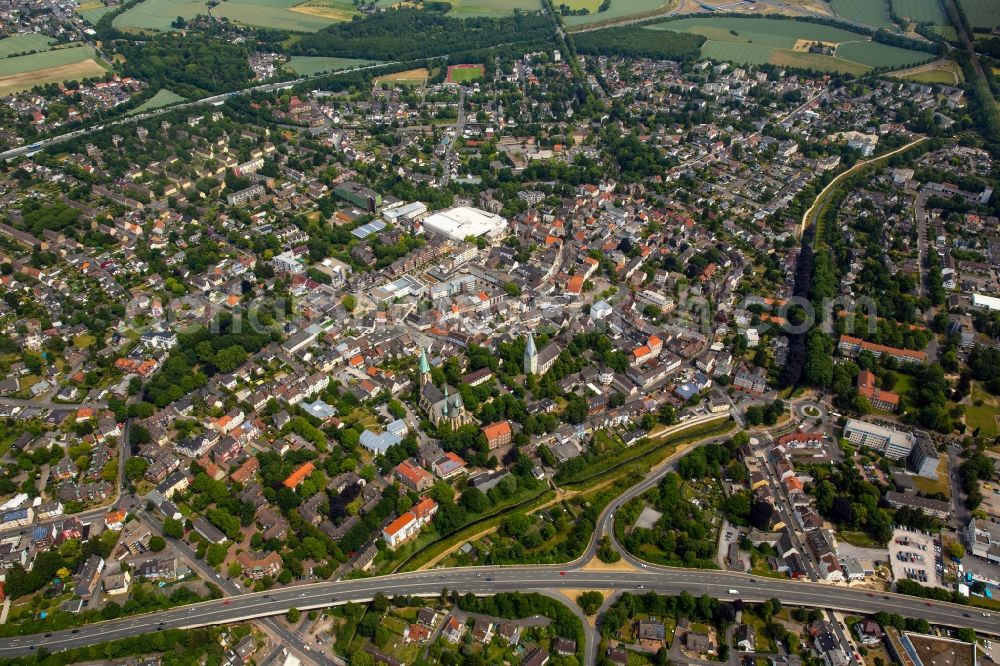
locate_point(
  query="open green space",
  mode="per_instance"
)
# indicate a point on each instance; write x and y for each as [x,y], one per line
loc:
[759,41]
[981,13]
[619,9]
[158,14]
[162,98]
[312,65]
[870,12]
[983,412]
[93,11]
[466,74]
[876,54]
[45,60]
[921,11]
[494,8]
[24,43]
[279,14]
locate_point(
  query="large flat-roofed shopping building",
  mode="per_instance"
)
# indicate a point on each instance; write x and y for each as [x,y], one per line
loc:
[891,443]
[462,222]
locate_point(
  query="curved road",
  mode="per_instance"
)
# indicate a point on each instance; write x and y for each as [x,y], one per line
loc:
[490,580]
[547,580]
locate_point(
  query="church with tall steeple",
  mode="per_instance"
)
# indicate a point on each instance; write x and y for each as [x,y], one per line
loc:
[442,407]
[538,362]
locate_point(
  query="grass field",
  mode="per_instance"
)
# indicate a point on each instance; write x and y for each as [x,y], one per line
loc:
[24,43]
[92,10]
[619,9]
[870,12]
[284,15]
[410,77]
[312,65]
[981,13]
[158,14]
[465,73]
[162,98]
[876,54]
[942,71]
[985,415]
[759,41]
[921,11]
[462,8]
[45,60]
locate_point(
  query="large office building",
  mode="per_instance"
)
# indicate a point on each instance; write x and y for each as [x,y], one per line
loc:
[891,443]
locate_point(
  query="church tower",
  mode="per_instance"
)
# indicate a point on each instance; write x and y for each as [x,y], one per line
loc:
[425,369]
[530,356]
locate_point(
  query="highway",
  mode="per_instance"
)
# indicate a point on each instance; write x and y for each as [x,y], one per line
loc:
[214,99]
[574,576]
[490,580]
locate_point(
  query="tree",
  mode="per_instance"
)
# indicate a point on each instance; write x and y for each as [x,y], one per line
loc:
[216,554]
[956,550]
[590,602]
[293,615]
[135,468]
[157,543]
[172,527]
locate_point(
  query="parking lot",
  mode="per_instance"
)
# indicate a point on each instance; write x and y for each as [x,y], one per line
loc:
[914,556]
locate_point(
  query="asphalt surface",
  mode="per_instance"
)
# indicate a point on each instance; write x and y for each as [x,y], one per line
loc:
[726,586]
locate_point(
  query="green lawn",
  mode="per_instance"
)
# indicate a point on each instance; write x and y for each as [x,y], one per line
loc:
[983,416]
[162,98]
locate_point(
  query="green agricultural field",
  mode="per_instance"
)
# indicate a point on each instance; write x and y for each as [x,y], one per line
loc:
[312,65]
[747,54]
[158,14]
[870,12]
[283,14]
[65,64]
[493,8]
[45,60]
[619,9]
[775,33]
[981,13]
[92,10]
[24,43]
[757,41]
[921,11]
[875,54]
[162,98]
[334,11]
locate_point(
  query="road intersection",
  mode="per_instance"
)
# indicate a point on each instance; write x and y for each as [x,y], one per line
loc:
[633,576]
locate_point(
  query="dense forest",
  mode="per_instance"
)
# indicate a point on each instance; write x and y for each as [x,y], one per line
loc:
[638,42]
[192,65]
[412,34]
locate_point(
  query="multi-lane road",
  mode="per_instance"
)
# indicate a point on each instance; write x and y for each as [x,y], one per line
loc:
[637,577]
[490,580]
